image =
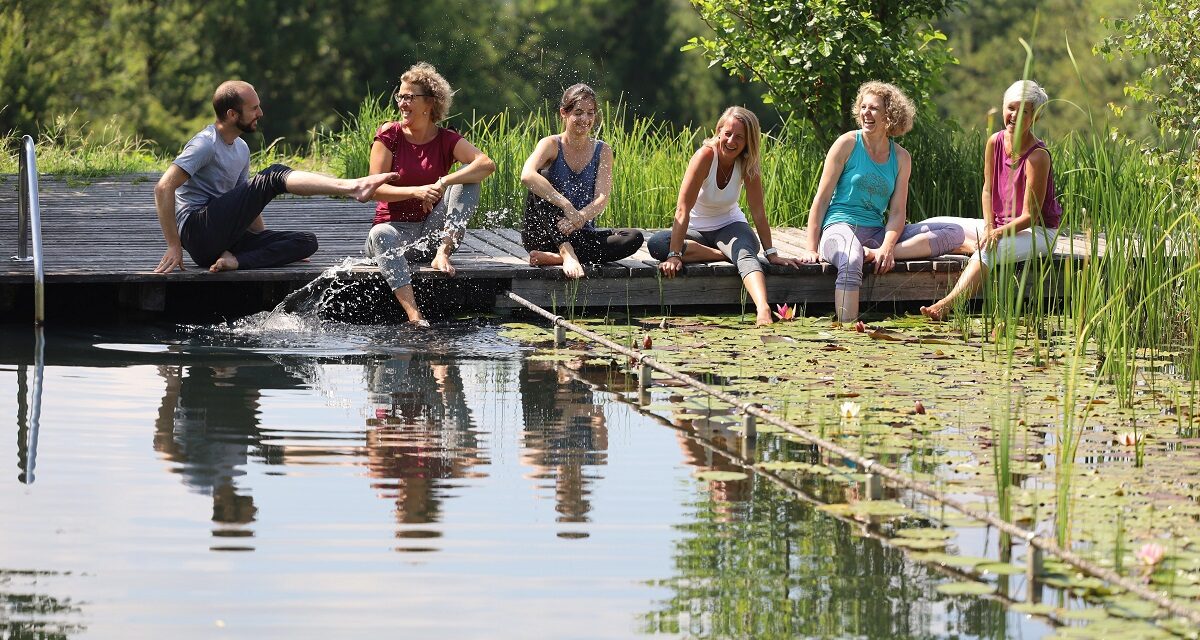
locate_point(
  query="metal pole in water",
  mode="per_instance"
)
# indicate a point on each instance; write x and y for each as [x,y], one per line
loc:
[30,442]
[560,336]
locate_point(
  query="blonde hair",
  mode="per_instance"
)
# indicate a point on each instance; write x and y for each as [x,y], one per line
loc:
[898,109]
[425,76]
[1026,91]
[751,159]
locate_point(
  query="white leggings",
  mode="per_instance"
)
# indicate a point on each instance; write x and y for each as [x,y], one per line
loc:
[1016,248]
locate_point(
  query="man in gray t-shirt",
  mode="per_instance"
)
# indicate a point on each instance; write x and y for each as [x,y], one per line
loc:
[209,204]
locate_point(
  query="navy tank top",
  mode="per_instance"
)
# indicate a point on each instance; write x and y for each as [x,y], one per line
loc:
[579,188]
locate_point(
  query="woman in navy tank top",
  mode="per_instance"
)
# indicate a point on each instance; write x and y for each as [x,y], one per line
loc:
[569,177]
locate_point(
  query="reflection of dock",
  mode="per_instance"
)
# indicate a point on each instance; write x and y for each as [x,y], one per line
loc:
[102,240]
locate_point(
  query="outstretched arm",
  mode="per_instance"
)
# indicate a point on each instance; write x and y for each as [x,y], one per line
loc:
[831,172]
[693,179]
[164,203]
[758,212]
[897,213]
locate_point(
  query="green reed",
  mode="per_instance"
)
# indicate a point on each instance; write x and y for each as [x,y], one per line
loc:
[72,147]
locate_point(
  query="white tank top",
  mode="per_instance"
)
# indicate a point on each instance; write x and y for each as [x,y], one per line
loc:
[717,207]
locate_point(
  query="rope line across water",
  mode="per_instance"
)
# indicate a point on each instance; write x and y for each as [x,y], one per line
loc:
[1031,538]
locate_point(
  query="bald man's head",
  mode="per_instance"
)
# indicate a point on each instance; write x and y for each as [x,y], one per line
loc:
[240,98]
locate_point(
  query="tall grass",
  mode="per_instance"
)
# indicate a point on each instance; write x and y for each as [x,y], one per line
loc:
[650,158]
[70,146]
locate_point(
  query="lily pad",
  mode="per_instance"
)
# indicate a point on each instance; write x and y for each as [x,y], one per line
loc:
[966,562]
[922,544]
[969,588]
[926,533]
[721,476]
[1034,608]
[1000,568]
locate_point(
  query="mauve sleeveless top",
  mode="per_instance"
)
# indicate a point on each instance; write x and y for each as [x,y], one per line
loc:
[1008,187]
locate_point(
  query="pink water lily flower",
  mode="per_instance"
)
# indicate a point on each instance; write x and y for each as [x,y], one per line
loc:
[785,312]
[1150,554]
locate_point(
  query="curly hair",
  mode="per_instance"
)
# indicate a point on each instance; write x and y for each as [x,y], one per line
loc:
[898,109]
[425,76]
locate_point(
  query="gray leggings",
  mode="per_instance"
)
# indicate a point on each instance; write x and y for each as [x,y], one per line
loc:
[842,246]
[394,244]
[736,240]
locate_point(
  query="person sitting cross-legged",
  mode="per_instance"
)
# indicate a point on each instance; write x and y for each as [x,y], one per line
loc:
[210,206]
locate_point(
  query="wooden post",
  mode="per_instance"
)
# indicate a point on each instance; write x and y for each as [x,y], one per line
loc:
[749,436]
[1034,567]
[560,336]
[873,487]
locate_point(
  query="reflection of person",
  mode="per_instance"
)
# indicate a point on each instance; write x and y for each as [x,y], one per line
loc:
[208,203]
[208,423]
[559,225]
[421,433]
[864,180]
[426,203]
[709,225]
[725,493]
[564,433]
[1021,211]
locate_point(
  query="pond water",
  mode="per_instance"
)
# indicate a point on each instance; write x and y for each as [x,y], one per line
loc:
[193,482]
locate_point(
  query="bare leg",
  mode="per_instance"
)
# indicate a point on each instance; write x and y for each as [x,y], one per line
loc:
[303,183]
[404,295]
[846,303]
[544,258]
[227,262]
[696,252]
[756,285]
[570,262]
[967,285]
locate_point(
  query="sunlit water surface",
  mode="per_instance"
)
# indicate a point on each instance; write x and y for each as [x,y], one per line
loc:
[280,478]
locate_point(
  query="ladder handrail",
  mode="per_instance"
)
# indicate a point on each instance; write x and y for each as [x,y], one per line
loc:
[29,215]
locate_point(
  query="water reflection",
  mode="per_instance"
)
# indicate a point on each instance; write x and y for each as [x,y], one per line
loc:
[419,437]
[208,423]
[564,435]
[29,409]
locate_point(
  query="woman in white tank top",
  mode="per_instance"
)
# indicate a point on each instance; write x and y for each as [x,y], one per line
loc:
[709,225]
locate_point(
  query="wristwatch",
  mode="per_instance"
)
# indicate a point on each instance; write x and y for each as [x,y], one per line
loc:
[674,254]
[770,252]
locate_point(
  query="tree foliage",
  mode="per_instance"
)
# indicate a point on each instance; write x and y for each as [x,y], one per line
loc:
[811,55]
[1166,33]
[148,67]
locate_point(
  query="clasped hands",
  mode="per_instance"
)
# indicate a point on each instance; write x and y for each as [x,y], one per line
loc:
[571,221]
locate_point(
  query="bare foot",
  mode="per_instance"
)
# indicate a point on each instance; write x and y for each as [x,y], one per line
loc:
[419,323]
[868,254]
[542,258]
[364,188]
[935,312]
[441,262]
[571,268]
[968,248]
[225,263]
[764,318]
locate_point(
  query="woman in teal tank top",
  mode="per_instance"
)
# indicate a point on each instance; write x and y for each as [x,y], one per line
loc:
[858,214]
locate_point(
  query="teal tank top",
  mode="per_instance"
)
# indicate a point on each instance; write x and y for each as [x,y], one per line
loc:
[862,193]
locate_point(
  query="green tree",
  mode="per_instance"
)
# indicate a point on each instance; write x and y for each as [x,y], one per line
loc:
[812,55]
[1167,34]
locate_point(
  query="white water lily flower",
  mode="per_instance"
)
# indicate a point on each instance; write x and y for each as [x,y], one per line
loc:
[850,410]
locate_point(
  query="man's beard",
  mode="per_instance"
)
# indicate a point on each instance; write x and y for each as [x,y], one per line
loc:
[246,127]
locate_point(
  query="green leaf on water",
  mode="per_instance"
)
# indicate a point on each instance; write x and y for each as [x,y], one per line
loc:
[918,543]
[927,533]
[1034,608]
[1000,568]
[966,562]
[1091,614]
[721,476]
[969,588]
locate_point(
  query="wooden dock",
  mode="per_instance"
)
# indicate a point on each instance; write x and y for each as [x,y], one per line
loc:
[101,242]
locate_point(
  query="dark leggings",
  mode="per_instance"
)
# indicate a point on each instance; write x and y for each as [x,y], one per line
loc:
[539,232]
[223,225]
[736,240]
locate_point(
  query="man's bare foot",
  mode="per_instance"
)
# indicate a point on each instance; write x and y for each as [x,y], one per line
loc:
[935,312]
[365,188]
[419,323]
[441,262]
[869,254]
[544,258]
[571,268]
[764,318]
[225,263]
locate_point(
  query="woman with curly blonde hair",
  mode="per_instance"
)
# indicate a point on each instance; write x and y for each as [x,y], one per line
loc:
[426,204]
[859,211]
